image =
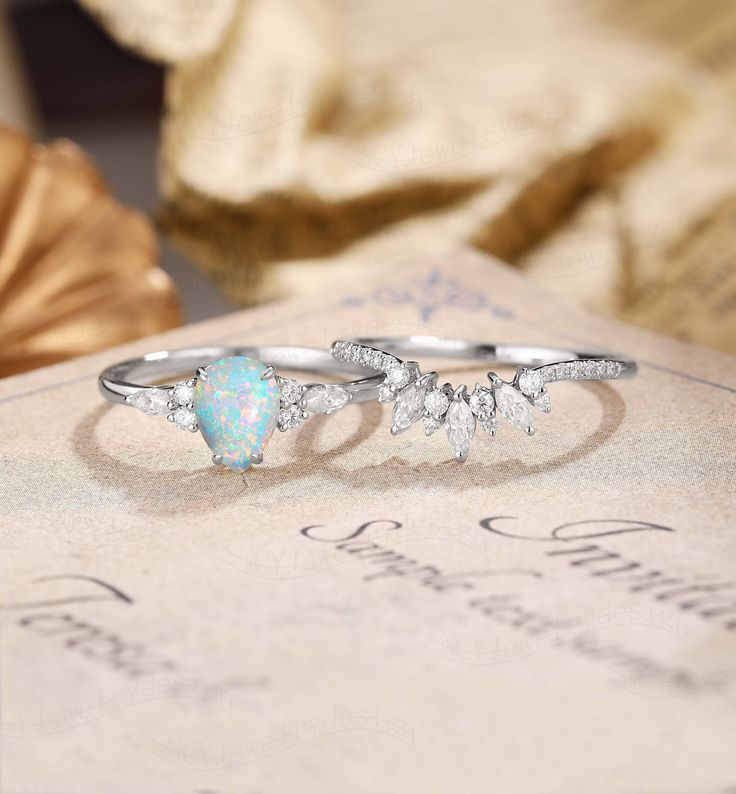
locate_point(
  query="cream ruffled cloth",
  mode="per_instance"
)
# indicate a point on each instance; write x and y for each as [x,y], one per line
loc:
[305,135]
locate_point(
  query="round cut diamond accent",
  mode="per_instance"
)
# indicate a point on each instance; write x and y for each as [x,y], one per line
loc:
[481,402]
[530,381]
[290,389]
[183,394]
[385,394]
[436,402]
[185,418]
[431,424]
[291,416]
[488,426]
[399,377]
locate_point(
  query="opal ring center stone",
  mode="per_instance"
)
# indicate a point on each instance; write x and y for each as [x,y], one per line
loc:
[237,410]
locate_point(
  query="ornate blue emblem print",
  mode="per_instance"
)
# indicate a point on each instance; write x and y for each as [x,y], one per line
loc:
[429,293]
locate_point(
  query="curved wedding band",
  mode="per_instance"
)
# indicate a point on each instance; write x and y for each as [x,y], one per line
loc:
[235,400]
[418,396]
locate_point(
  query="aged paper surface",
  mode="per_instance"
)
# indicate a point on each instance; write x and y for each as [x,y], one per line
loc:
[557,614]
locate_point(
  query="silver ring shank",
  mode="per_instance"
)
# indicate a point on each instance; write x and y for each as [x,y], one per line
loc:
[553,364]
[121,380]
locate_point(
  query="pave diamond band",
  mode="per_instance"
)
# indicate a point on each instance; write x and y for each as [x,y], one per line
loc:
[235,400]
[461,411]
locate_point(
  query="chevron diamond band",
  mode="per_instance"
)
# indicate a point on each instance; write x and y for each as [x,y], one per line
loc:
[460,411]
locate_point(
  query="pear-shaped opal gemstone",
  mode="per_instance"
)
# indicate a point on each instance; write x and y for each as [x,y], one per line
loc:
[236,410]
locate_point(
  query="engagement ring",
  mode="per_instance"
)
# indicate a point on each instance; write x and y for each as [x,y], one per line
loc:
[235,400]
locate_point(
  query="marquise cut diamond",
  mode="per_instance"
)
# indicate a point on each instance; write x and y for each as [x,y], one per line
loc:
[325,399]
[513,406]
[460,427]
[154,402]
[409,407]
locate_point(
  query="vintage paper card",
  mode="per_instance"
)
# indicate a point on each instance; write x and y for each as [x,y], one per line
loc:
[363,613]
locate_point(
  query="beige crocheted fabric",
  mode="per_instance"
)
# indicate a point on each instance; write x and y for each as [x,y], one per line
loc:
[303,136]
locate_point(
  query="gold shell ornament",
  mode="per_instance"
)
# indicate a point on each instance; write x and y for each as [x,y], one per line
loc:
[78,270]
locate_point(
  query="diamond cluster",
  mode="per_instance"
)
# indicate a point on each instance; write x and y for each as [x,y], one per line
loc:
[291,413]
[436,403]
[182,407]
[299,401]
[460,412]
[175,403]
[417,396]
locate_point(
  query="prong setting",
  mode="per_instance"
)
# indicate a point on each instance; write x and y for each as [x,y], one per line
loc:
[427,380]
[460,410]
[459,393]
[181,405]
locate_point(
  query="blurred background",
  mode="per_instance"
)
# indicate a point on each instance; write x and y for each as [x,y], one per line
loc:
[163,162]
